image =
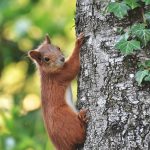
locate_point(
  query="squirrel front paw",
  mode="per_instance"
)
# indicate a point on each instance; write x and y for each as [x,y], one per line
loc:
[80,39]
[82,116]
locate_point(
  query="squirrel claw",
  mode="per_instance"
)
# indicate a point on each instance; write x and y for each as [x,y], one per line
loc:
[81,35]
[80,39]
[82,116]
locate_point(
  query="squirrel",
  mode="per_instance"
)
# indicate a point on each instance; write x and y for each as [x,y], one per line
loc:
[66,126]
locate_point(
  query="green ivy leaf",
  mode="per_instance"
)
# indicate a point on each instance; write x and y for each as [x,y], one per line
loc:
[146,2]
[147,63]
[127,47]
[120,30]
[141,32]
[147,78]
[147,16]
[140,75]
[132,3]
[119,9]
[144,65]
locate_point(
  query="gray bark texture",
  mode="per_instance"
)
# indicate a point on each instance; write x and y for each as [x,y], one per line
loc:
[119,109]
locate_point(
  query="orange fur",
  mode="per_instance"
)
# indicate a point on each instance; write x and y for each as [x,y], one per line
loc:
[65,127]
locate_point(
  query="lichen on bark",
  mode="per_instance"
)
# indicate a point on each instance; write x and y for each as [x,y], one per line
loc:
[119,110]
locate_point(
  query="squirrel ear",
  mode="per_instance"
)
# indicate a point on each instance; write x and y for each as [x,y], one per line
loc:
[47,39]
[33,54]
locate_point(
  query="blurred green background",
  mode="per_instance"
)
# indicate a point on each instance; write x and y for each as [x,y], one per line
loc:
[23,25]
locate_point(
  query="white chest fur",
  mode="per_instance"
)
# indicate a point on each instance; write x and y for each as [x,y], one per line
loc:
[69,98]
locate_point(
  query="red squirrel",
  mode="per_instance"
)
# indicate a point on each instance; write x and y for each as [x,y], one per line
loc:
[66,126]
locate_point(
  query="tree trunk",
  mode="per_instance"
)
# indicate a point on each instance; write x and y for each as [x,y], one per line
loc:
[119,110]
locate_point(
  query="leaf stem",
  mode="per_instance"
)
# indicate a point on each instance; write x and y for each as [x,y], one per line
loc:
[143,16]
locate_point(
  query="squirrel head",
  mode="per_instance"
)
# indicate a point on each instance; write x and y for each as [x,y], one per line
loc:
[47,56]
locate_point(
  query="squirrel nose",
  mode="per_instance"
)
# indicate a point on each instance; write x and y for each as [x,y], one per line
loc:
[62,59]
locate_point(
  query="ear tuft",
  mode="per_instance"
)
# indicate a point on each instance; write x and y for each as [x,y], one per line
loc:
[47,39]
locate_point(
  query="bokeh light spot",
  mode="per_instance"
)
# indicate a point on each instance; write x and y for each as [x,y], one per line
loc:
[31,102]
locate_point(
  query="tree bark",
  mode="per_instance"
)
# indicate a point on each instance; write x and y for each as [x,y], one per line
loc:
[119,109]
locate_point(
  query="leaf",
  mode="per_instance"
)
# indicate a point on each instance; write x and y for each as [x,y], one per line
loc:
[141,32]
[140,75]
[132,3]
[120,30]
[119,9]
[147,16]
[146,2]
[141,66]
[147,63]
[126,36]
[144,65]
[127,47]
[147,78]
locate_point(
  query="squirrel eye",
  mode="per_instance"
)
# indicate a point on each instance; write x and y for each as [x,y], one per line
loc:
[46,59]
[58,48]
